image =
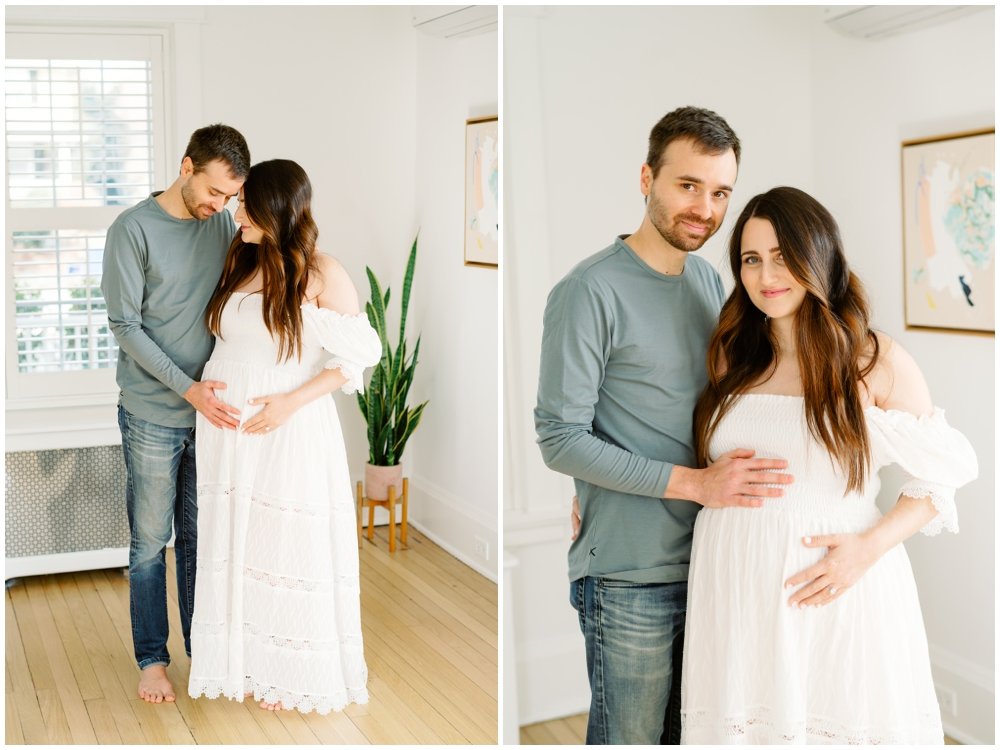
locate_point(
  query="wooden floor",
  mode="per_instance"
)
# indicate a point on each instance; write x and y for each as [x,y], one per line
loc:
[572,730]
[430,629]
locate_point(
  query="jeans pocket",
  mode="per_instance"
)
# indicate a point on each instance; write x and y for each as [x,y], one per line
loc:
[578,600]
[612,583]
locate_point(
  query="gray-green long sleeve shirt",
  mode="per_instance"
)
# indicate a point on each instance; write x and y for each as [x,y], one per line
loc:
[622,365]
[159,274]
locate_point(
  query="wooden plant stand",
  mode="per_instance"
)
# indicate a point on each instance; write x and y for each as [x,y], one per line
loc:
[390,505]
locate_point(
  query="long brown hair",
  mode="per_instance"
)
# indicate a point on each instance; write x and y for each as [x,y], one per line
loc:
[276,197]
[836,345]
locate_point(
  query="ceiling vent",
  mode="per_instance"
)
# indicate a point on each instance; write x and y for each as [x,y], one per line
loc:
[454,21]
[879,21]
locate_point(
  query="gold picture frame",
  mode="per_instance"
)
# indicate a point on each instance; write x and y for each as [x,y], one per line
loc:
[482,190]
[948,232]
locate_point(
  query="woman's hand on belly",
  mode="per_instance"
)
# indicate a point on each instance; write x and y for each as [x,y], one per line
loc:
[849,557]
[278,409]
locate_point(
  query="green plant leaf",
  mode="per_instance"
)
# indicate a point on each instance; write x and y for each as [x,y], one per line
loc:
[411,265]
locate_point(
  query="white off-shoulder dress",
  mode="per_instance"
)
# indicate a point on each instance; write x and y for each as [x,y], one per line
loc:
[277,597]
[855,671]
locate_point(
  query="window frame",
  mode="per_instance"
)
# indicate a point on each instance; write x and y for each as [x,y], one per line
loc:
[88,387]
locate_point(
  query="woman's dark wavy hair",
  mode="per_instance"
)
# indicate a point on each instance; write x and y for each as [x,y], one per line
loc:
[836,346]
[276,197]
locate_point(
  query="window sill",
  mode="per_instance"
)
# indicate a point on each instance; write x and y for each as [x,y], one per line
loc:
[60,423]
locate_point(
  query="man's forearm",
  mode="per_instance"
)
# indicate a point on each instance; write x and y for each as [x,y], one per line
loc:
[581,455]
[684,484]
[140,347]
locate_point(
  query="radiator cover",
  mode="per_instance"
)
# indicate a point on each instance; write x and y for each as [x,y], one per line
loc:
[61,502]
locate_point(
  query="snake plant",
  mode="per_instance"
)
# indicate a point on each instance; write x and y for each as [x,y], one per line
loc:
[390,420]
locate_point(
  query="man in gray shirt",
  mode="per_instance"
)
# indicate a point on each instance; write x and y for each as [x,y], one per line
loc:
[623,361]
[162,260]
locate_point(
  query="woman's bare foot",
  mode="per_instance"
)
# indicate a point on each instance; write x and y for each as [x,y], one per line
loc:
[154,686]
[271,706]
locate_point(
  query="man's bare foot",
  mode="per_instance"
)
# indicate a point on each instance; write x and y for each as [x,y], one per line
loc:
[271,706]
[154,686]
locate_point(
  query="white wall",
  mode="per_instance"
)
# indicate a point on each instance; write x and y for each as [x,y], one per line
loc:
[583,86]
[876,95]
[455,307]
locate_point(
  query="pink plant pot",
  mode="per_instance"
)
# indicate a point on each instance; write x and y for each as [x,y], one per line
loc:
[378,479]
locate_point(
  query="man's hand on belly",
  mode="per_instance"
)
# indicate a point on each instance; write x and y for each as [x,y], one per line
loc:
[202,397]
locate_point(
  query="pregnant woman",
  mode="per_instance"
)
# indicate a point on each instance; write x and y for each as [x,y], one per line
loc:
[277,607]
[803,623]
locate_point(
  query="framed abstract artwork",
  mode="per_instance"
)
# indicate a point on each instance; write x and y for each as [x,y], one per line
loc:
[948,232]
[482,187]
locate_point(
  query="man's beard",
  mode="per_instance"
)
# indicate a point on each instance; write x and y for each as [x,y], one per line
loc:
[672,233]
[192,206]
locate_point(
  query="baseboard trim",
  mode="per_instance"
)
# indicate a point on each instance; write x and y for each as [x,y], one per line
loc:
[66,562]
[975,695]
[960,736]
[973,673]
[457,554]
[453,526]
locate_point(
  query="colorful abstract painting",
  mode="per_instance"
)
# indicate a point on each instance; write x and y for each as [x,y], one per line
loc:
[482,188]
[949,232]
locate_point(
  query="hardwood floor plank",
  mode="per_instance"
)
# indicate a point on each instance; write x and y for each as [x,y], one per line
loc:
[578,723]
[297,728]
[413,698]
[103,652]
[102,721]
[564,732]
[325,732]
[28,715]
[69,635]
[34,648]
[459,579]
[56,727]
[66,688]
[418,612]
[475,620]
[469,700]
[417,591]
[429,641]
[270,724]
[12,734]
[444,699]
[537,734]
[415,614]
[422,732]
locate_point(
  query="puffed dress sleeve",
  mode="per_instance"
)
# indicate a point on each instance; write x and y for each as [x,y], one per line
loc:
[351,340]
[937,457]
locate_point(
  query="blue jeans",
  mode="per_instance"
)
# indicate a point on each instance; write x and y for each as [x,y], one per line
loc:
[161,492]
[634,634]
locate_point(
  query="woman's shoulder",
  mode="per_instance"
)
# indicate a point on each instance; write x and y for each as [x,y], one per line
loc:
[331,286]
[895,380]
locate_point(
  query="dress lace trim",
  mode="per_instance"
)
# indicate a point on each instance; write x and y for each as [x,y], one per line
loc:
[758,721]
[354,373]
[943,499]
[283,581]
[255,633]
[274,502]
[289,700]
